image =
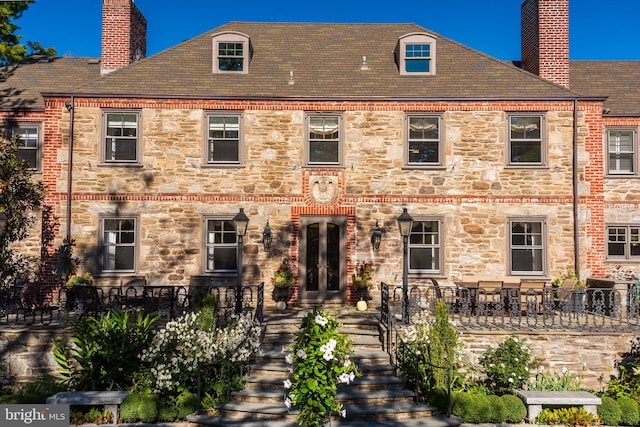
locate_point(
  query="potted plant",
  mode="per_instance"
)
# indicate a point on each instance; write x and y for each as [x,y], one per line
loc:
[282,281]
[320,363]
[76,299]
[361,279]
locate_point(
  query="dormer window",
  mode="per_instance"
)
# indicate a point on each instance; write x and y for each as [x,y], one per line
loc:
[231,53]
[416,54]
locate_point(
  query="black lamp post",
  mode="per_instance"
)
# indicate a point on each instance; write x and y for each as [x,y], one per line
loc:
[405,223]
[240,221]
[266,237]
[376,237]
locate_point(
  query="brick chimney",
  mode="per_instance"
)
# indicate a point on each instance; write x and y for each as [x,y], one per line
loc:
[545,39]
[124,35]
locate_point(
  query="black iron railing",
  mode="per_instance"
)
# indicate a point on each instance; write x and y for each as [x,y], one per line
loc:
[594,309]
[43,305]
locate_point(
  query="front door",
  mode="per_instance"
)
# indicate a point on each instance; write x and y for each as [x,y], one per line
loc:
[323,259]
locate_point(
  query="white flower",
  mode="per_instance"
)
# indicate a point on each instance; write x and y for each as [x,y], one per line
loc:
[515,339]
[352,376]
[287,384]
[564,370]
[510,379]
[321,320]
[328,356]
[301,354]
[344,378]
[289,358]
[287,403]
[343,413]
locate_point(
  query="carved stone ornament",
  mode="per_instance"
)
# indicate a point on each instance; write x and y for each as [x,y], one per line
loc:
[323,189]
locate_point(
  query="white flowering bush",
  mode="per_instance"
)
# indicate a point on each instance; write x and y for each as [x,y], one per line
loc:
[320,363]
[508,366]
[184,348]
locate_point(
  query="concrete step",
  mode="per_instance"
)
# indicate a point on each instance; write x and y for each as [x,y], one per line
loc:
[348,396]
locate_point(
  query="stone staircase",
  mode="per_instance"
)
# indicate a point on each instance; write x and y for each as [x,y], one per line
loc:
[376,398]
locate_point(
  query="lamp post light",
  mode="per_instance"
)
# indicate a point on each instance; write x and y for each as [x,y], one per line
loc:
[376,237]
[266,237]
[240,221]
[405,223]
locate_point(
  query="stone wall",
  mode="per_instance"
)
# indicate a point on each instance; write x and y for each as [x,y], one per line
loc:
[27,351]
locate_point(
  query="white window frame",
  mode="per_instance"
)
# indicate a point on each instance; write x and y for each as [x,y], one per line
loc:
[215,238]
[419,141]
[541,141]
[616,171]
[339,141]
[537,246]
[402,58]
[107,159]
[109,244]
[209,161]
[631,236]
[419,242]
[235,38]
[25,147]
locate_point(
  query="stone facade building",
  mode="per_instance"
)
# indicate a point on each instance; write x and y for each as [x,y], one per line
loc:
[524,172]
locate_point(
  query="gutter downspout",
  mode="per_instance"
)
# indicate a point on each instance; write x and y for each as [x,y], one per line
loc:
[576,204]
[70,108]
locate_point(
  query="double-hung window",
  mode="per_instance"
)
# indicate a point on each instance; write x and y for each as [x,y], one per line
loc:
[231,53]
[29,146]
[621,150]
[623,242]
[223,139]
[121,137]
[526,140]
[527,247]
[221,246]
[324,145]
[423,141]
[416,54]
[425,246]
[119,238]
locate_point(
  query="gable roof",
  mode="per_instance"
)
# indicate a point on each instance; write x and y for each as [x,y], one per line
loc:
[325,60]
[619,81]
[22,84]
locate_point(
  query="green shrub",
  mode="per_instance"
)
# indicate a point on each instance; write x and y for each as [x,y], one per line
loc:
[167,410]
[516,411]
[472,408]
[186,403]
[630,412]
[129,408]
[35,392]
[438,398]
[498,410]
[148,408]
[104,354]
[609,411]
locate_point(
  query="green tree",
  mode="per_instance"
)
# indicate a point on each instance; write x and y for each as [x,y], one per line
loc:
[11,48]
[19,196]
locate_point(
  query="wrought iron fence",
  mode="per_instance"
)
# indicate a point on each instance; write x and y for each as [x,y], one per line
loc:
[593,309]
[43,305]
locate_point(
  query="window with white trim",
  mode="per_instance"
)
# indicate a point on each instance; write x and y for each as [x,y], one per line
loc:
[121,137]
[223,139]
[324,143]
[221,246]
[425,246]
[527,249]
[119,243]
[621,150]
[231,53]
[526,140]
[423,146]
[29,146]
[416,54]
[623,242]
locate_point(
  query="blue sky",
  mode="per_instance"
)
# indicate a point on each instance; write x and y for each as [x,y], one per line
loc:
[598,30]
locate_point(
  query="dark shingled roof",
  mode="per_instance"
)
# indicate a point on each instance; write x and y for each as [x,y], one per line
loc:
[325,60]
[617,80]
[21,84]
